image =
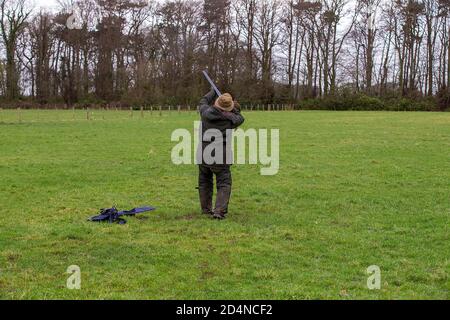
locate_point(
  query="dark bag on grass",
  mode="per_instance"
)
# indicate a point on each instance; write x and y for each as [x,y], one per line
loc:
[112,215]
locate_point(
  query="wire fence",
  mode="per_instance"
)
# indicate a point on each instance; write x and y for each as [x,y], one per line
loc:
[20,115]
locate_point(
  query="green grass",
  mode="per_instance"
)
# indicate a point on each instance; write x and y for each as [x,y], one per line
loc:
[354,190]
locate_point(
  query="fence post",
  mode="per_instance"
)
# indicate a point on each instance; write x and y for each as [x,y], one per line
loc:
[151,110]
[179,109]
[131,112]
[87,114]
[19,114]
[160,111]
[142,112]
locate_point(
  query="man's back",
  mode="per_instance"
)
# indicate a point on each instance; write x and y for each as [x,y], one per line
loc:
[215,118]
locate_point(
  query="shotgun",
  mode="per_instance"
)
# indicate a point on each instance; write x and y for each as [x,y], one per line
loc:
[212,83]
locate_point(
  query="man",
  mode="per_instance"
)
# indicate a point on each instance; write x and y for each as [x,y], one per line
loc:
[221,113]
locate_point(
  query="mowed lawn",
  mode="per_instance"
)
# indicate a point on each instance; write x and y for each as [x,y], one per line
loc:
[355,189]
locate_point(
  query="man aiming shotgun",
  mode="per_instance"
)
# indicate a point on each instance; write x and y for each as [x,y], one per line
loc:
[218,111]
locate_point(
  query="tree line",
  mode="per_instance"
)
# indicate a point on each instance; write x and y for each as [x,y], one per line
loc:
[262,51]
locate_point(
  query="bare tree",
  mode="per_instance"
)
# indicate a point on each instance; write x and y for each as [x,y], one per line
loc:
[13,18]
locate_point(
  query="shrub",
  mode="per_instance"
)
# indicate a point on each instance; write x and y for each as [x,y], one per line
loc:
[408,104]
[443,99]
[362,102]
[343,102]
[365,103]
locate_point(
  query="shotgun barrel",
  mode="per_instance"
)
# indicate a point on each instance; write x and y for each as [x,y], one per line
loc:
[213,85]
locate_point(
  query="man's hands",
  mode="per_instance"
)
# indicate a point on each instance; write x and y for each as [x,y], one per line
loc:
[235,115]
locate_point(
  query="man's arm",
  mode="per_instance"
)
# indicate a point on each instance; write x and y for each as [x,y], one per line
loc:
[207,100]
[235,117]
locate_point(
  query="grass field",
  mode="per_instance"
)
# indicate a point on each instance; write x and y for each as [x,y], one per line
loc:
[354,190]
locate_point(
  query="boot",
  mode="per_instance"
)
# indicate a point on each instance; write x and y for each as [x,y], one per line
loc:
[222,200]
[206,200]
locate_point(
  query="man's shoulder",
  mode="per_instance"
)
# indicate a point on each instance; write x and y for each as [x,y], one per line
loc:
[211,113]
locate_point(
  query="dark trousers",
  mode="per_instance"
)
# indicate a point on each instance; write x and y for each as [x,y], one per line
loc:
[206,187]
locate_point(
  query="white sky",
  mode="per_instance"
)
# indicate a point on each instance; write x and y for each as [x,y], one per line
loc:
[45,3]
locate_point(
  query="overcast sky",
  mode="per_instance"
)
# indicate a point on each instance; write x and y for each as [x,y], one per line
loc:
[45,3]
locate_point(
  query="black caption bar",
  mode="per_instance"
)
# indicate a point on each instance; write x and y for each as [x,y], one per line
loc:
[225,309]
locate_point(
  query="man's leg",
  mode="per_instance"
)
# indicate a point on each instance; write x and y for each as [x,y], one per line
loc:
[224,182]
[205,188]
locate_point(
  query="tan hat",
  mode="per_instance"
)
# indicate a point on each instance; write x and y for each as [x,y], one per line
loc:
[225,102]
